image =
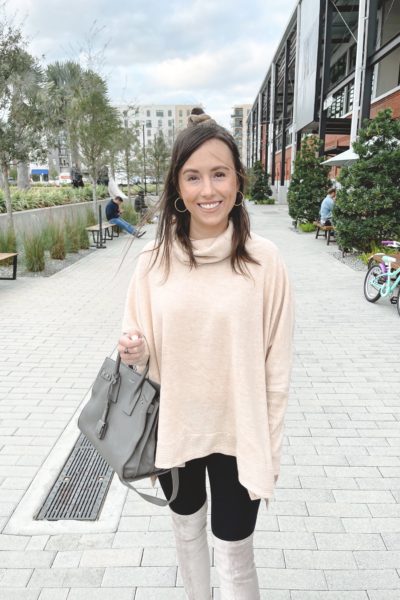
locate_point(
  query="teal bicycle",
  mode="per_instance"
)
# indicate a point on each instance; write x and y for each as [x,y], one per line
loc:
[383,278]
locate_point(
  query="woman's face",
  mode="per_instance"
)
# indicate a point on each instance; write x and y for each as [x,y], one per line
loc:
[208,186]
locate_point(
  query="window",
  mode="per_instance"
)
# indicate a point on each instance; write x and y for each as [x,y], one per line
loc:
[170,122]
[181,113]
[159,113]
[170,113]
[148,123]
[160,122]
[187,113]
[149,133]
[148,113]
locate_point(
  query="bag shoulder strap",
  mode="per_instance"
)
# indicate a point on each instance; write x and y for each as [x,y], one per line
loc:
[154,499]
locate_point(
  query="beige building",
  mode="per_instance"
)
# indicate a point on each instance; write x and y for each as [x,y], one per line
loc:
[239,128]
[153,118]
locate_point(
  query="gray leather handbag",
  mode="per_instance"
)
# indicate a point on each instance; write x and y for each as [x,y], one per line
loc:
[120,420]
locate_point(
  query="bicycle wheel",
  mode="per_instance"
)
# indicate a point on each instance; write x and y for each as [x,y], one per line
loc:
[373,283]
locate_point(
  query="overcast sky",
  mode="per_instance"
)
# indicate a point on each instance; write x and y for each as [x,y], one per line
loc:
[213,52]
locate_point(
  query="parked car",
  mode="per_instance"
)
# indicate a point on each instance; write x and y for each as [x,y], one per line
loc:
[64,179]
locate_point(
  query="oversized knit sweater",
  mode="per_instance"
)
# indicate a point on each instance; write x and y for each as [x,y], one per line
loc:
[220,346]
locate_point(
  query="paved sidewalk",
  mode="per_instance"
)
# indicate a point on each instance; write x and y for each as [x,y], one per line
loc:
[333,531]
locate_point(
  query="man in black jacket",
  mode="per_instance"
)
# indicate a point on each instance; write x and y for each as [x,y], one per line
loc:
[113,214]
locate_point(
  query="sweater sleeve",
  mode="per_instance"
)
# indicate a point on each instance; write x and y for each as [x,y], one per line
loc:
[132,317]
[278,324]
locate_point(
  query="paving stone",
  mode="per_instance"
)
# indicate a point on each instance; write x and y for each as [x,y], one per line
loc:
[112,557]
[53,594]
[18,594]
[342,595]
[68,559]
[14,578]
[349,541]
[139,576]
[29,559]
[368,579]
[59,578]
[115,593]
[319,559]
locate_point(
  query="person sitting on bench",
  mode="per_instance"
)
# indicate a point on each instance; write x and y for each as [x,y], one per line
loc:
[113,214]
[327,204]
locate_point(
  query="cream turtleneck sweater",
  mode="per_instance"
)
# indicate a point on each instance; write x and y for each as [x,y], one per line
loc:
[220,345]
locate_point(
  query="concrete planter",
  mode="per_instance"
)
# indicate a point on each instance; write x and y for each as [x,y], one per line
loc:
[26,221]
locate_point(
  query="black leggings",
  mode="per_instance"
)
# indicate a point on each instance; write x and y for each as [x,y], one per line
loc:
[233,513]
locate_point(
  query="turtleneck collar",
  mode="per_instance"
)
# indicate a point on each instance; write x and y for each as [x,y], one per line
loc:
[211,250]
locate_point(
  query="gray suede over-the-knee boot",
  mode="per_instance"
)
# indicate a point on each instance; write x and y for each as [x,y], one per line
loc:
[193,553]
[236,569]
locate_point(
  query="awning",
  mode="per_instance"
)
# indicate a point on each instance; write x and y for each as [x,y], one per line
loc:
[343,159]
[39,172]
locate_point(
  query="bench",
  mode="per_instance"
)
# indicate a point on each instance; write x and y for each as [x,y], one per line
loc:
[6,256]
[325,230]
[107,231]
[377,258]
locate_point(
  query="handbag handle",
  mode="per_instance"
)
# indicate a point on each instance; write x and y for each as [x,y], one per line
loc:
[155,499]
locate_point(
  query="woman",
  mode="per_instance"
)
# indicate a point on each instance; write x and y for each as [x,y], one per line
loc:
[210,307]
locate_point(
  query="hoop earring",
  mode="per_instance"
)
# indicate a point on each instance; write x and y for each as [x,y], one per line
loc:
[242,200]
[176,208]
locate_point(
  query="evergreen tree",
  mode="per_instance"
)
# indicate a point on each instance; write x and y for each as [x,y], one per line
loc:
[260,189]
[367,209]
[23,106]
[158,157]
[97,124]
[309,182]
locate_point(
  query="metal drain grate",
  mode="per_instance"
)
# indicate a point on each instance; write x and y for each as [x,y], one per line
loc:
[81,487]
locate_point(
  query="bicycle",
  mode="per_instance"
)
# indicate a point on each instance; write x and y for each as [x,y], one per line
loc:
[381,281]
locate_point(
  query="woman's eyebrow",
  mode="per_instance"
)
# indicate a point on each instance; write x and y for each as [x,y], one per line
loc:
[218,168]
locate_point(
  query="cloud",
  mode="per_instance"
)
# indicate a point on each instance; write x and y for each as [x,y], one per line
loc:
[209,51]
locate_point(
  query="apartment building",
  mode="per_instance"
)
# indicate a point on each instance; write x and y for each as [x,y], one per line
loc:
[337,63]
[153,118]
[239,118]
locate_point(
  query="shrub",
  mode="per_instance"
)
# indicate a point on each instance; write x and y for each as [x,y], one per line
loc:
[307,227]
[367,209]
[56,241]
[90,218]
[34,247]
[260,190]
[41,197]
[84,242]
[72,236]
[309,182]
[129,214]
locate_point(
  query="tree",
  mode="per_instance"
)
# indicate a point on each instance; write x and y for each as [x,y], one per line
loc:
[367,209]
[260,190]
[129,142]
[309,182]
[158,155]
[96,123]
[66,79]
[23,106]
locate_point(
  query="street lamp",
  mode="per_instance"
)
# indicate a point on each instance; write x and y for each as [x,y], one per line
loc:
[144,161]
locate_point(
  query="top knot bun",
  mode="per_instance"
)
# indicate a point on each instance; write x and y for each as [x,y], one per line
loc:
[197,119]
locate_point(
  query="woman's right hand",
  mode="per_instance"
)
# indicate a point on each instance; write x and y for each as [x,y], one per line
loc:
[132,347]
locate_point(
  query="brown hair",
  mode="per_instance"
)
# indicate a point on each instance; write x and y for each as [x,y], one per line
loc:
[332,191]
[171,220]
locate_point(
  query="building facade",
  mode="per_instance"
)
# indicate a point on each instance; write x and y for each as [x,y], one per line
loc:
[153,118]
[336,64]
[239,118]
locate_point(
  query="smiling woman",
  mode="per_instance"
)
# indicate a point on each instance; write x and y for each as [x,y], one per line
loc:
[210,309]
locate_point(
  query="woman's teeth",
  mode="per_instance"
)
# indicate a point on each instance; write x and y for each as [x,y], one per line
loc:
[209,205]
